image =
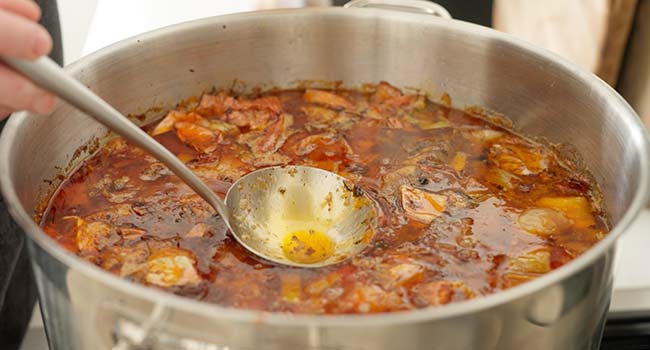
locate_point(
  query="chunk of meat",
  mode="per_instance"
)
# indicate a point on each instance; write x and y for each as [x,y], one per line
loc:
[229,167]
[519,159]
[395,123]
[215,105]
[115,190]
[94,236]
[324,118]
[459,161]
[200,138]
[318,286]
[326,98]
[405,273]
[173,117]
[433,293]
[169,267]
[291,288]
[324,146]
[131,233]
[483,135]
[154,172]
[389,95]
[271,139]
[371,298]
[269,103]
[543,221]
[254,119]
[198,230]
[110,214]
[576,208]
[384,91]
[420,205]
[130,260]
[527,266]
[438,293]
[220,126]
[391,181]
[501,178]
[432,154]
[266,159]
[320,116]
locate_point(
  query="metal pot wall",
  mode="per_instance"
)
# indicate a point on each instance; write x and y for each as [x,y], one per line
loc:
[87,308]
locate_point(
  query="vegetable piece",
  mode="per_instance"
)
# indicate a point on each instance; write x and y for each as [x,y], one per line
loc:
[201,139]
[291,288]
[420,205]
[327,98]
[543,221]
[576,208]
[459,161]
[169,267]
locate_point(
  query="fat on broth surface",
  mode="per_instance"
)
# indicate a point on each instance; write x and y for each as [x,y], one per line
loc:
[466,207]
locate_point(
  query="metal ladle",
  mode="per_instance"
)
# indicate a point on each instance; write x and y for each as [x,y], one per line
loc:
[293,215]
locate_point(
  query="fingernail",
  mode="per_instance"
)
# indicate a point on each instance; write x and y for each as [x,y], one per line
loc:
[42,43]
[45,104]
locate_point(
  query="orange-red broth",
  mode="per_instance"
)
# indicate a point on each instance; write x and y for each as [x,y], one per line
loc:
[466,208]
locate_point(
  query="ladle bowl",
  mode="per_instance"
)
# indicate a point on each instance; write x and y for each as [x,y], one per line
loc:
[300,216]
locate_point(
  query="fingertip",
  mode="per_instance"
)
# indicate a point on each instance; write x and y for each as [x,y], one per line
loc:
[36,11]
[45,104]
[4,112]
[42,43]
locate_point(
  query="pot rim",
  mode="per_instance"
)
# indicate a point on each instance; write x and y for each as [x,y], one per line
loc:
[600,90]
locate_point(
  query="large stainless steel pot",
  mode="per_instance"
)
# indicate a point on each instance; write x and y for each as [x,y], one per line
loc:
[87,308]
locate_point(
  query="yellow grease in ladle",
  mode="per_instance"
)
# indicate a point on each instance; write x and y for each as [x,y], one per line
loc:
[307,246]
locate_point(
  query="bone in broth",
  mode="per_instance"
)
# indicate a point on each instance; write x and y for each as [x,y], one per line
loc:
[465,207]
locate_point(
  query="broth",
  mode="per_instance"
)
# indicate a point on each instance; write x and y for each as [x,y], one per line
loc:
[466,207]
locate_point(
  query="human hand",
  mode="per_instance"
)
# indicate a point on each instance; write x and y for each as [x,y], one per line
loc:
[23,38]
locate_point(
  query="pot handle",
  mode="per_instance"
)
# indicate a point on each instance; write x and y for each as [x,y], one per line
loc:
[416,6]
[137,336]
[130,330]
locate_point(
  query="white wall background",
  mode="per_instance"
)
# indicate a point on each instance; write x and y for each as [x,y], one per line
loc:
[88,25]
[75,17]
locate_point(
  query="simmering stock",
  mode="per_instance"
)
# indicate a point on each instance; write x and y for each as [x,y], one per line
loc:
[466,207]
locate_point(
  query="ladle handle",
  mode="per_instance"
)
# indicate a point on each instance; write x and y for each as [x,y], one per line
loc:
[48,75]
